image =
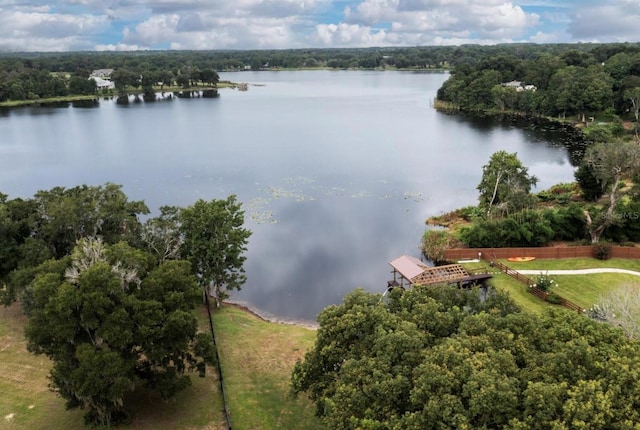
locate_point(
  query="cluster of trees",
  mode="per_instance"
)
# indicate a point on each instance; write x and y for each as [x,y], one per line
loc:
[440,357]
[109,298]
[591,209]
[29,79]
[23,83]
[148,79]
[603,81]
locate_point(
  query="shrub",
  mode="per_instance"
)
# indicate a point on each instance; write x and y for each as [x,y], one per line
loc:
[471,213]
[526,228]
[592,188]
[544,282]
[602,251]
[554,299]
[435,243]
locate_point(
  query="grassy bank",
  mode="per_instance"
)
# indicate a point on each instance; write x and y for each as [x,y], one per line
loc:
[583,290]
[17,103]
[256,359]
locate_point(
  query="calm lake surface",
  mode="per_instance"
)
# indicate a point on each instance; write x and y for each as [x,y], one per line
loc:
[337,170]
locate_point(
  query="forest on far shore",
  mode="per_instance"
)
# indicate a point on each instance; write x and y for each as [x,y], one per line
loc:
[33,76]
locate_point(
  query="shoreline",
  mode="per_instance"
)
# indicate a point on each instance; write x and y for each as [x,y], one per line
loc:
[97,97]
[267,317]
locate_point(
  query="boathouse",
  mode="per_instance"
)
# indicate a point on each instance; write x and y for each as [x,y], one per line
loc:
[409,271]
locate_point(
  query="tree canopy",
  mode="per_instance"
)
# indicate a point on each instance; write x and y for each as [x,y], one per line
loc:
[581,82]
[439,357]
[214,242]
[505,183]
[111,322]
[110,299]
[610,163]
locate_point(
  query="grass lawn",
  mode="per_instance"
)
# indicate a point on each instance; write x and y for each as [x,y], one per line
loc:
[518,293]
[27,403]
[586,290]
[257,358]
[583,290]
[574,263]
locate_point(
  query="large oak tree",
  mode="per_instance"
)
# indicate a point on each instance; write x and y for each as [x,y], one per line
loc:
[111,321]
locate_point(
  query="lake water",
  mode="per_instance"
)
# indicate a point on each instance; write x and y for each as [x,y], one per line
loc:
[337,170]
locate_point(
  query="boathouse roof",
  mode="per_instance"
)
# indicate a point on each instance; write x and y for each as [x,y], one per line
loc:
[420,273]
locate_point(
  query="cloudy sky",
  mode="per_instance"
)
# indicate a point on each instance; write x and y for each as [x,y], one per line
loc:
[68,25]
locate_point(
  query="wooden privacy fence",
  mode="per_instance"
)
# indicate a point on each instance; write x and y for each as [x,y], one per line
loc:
[528,282]
[550,253]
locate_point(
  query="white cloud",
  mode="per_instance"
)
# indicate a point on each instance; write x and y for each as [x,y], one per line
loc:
[541,37]
[348,35]
[117,47]
[370,12]
[247,24]
[34,30]
[212,32]
[611,21]
[410,22]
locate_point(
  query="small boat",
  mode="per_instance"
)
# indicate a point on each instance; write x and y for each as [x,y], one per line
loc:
[521,259]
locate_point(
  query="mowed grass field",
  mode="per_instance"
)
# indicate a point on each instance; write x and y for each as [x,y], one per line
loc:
[257,357]
[583,290]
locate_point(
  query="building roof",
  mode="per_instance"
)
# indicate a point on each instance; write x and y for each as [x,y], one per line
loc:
[408,267]
[419,273]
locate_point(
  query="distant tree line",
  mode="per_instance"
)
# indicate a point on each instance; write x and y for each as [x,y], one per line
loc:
[603,82]
[39,78]
[42,75]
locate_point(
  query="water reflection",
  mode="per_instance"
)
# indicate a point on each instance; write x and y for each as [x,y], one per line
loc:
[85,104]
[337,171]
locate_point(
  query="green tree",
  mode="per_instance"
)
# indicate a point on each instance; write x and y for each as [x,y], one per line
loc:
[478,93]
[505,181]
[539,71]
[592,187]
[66,215]
[16,227]
[209,76]
[439,357]
[124,78]
[79,85]
[435,243]
[161,234]
[620,307]
[110,328]
[183,80]
[505,98]
[214,242]
[609,164]
[580,90]
[633,95]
